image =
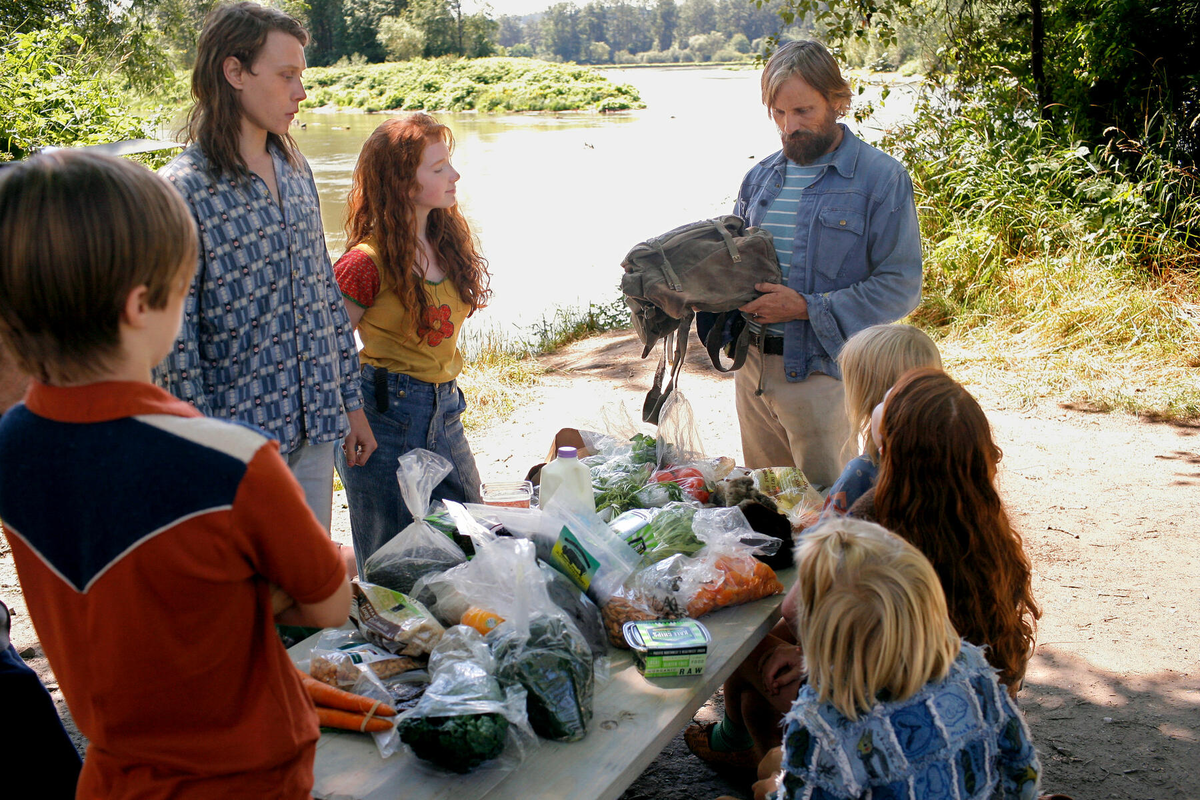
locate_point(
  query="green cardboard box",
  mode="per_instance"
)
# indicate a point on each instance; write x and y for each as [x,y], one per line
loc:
[668,648]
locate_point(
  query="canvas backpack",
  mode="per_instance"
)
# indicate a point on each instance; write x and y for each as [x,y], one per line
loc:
[711,265]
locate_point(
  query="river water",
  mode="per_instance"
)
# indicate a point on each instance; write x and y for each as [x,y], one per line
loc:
[558,199]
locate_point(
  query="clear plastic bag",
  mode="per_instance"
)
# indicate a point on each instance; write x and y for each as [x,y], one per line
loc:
[787,486]
[644,597]
[340,656]
[466,718]
[725,573]
[393,620]
[370,686]
[536,644]
[589,553]
[582,611]
[553,662]
[419,549]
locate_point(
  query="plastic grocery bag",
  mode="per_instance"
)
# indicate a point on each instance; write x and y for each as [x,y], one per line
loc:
[419,549]
[466,718]
[588,552]
[535,643]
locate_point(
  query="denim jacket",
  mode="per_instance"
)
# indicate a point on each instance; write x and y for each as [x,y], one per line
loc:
[856,258]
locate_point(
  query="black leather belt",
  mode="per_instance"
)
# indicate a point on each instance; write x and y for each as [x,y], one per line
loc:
[767,345]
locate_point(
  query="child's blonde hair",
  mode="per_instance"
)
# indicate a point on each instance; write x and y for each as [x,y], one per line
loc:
[871,361]
[871,616]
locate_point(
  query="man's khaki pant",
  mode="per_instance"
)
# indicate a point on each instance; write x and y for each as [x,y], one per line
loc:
[799,424]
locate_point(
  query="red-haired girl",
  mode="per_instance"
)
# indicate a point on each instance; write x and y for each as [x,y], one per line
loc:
[937,489]
[410,276]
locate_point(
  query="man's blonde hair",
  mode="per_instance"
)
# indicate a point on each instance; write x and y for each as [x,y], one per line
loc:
[814,65]
[78,233]
[871,362]
[872,616]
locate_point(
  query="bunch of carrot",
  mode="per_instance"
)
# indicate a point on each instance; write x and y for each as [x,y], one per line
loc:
[337,708]
[738,580]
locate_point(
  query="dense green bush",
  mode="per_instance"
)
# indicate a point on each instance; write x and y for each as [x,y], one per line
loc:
[53,94]
[483,84]
[1078,264]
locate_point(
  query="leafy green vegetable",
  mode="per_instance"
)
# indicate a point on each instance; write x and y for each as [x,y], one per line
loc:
[555,666]
[456,743]
[440,520]
[645,449]
[670,532]
[618,490]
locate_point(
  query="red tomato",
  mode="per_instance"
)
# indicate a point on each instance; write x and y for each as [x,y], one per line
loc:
[690,481]
[695,487]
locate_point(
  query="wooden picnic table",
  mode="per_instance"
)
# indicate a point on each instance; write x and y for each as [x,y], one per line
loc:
[634,719]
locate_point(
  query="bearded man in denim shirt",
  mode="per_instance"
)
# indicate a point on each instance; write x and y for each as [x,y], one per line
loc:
[845,227]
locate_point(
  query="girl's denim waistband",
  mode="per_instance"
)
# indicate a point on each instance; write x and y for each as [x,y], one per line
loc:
[401,385]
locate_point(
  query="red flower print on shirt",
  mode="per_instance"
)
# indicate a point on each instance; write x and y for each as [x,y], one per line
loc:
[436,325]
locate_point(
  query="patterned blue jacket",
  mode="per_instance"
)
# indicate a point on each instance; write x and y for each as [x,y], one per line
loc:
[265,339]
[960,738]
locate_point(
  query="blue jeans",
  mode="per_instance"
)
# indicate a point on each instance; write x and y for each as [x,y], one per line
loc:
[419,414]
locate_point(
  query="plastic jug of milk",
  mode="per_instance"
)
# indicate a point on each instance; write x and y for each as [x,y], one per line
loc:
[567,482]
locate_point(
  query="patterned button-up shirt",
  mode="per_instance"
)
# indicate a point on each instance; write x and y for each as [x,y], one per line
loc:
[265,339]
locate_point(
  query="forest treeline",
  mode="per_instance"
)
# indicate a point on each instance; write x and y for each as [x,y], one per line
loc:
[1053,147]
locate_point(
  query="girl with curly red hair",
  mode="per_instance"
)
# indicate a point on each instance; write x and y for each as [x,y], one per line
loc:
[410,276]
[937,489]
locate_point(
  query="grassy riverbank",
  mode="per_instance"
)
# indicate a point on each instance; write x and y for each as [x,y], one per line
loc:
[1058,272]
[482,84]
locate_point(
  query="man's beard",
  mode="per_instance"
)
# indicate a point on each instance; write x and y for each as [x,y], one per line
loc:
[805,147]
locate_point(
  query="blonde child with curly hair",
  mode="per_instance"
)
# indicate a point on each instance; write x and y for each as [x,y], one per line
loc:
[895,705]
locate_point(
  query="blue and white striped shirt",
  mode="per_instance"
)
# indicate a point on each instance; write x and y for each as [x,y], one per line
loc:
[780,220]
[266,338]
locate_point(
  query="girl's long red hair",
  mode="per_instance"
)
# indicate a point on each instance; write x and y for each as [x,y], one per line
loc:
[937,489]
[380,206]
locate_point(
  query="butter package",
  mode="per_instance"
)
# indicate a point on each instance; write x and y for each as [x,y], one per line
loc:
[668,648]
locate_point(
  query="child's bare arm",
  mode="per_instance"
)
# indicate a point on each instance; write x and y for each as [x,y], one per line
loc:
[331,612]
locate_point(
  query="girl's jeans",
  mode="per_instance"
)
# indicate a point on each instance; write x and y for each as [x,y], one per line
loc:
[419,414]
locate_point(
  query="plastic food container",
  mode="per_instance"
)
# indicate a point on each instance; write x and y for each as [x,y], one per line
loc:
[668,648]
[509,494]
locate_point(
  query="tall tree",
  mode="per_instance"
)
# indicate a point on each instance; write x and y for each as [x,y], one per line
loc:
[696,17]
[560,31]
[666,16]
[509,30]
[629,27]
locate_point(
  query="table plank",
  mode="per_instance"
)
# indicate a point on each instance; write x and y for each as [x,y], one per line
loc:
[634,719]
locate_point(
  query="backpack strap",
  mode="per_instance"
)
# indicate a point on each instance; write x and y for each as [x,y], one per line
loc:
[658,394]
[739,345]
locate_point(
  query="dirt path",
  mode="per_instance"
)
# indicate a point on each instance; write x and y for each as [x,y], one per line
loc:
[1110,510]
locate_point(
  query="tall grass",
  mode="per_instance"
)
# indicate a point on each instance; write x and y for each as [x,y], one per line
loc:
[1055,270]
